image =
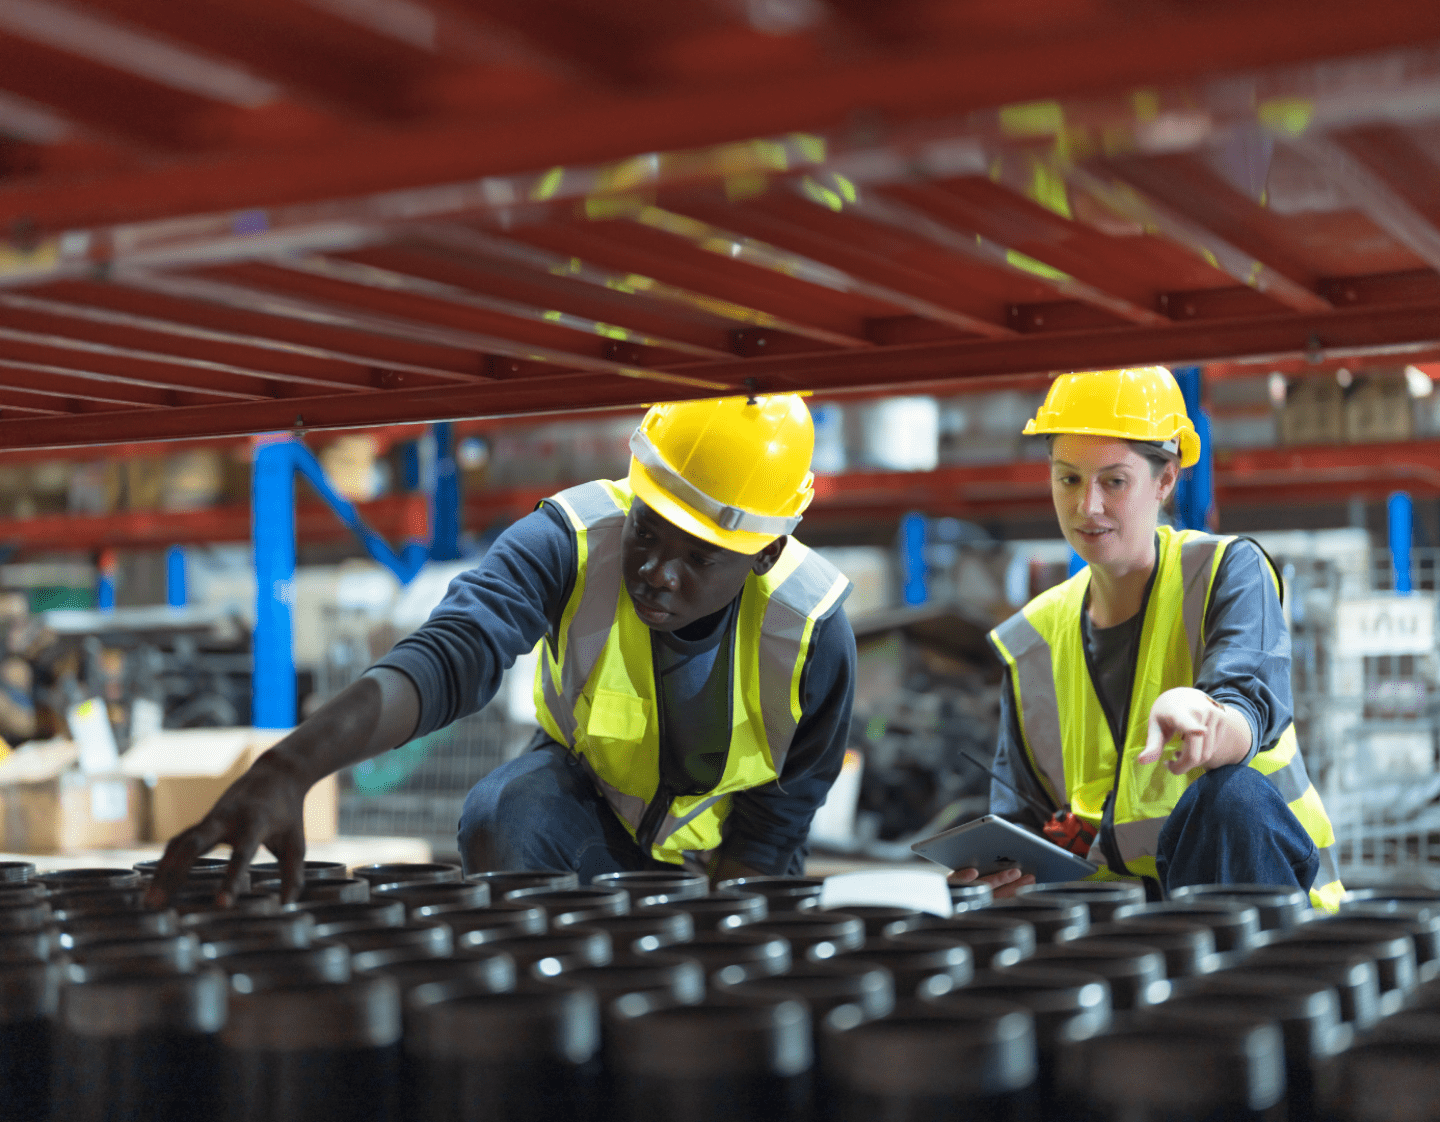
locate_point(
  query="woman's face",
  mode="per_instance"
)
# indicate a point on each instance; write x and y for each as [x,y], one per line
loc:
[1107,498]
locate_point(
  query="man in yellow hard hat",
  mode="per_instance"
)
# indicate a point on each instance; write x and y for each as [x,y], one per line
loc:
[695,678]
[1165,638]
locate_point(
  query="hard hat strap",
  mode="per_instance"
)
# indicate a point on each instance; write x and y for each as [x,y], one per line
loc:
[726,517]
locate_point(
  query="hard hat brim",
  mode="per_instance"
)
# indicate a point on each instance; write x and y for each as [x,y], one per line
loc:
[1189,439]
[686,518]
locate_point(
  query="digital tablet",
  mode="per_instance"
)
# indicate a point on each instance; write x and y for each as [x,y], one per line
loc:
[991,844]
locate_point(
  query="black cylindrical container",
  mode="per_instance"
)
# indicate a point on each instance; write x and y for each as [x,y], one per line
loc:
[734,956]
[816,934]
[1235,925]
[69,904]
[823,986]
[880,920]
[1420,921]
[29,990]
[287,966]
[283,929]
[1353,975]
[1143,1071]
[573,905]
[972,1058]
[330,919]
[1425,997]
[201,866]
[422,899]
[65,880]
[473,926]
[1066,1004]
[655,886]
[1102,896]
[491,972]
[1393,953]
[994,939]
[16,872]
[94,927]
[646,929]
[1189,947]
[404,872]
[912,962]
[964,897]
[1393,1076]
[509,880]
[1280,906]
[1393,893]
[557,950]
[721,910]
[1135,971]
[37,943]
[25,917]
[729,1057]
[139,1048]
[316,1053]
[782,894]
[526,1056]
[14,894]
[1306,1009]
[189,902]
[666,975]
[177,952]
[425,936]
[1056,919]
[334,890]
[272,869]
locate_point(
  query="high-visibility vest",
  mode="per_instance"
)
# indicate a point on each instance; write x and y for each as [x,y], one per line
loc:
[595,683]
[1067,737]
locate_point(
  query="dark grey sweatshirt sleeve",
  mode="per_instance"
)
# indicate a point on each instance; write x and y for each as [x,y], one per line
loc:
[1246,663]
[490,616]
[768,825]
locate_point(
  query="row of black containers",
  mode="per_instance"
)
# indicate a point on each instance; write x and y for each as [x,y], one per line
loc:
[408,992]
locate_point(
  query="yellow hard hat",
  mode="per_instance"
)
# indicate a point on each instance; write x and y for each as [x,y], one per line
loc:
[733,471]
[1137,403]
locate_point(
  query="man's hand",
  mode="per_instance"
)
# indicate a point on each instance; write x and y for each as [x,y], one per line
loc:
[1210,734]
[265,806]
[1004,884]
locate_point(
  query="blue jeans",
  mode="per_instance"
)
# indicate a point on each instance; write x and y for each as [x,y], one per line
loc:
[541,811]
[1232,827]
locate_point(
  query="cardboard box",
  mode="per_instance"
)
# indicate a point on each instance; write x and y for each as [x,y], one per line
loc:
[187,770]
[47,805]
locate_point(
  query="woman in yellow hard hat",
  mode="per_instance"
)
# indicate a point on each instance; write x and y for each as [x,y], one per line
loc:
[694,682]
[1149,695]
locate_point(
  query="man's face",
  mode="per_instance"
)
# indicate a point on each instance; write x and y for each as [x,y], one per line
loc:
[674,578]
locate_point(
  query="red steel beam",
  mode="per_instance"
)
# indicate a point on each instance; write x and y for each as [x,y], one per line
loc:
[1172,44]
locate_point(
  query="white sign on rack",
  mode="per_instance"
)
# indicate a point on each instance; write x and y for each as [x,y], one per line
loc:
[1386,625]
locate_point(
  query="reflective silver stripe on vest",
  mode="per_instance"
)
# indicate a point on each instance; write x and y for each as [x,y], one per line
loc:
[1292,780]
[1329,871]
[1140,838]
[781,633]
[1197,558]
[1035,686]
[589,628]
[629,808]
[671,823]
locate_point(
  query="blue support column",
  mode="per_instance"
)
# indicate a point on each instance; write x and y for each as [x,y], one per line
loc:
[445,502]
[915,587]
[105,583]
[1195,493]
[273,532]
[177,593]
[1076,563]
[1401,512]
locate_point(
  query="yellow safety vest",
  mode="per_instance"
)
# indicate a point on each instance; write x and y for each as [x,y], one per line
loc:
[1068,739]
[595,684]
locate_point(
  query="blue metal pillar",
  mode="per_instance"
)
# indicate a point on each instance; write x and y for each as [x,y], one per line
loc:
[445,502]
[915,587]
[1195,493]
[177,593]
[273,532]
[1076,563]
[105,584]
[1402,513]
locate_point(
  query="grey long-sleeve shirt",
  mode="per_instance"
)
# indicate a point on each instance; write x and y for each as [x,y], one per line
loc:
[1246,665]
[500,609]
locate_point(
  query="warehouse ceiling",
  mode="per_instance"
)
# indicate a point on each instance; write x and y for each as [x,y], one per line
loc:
[226,217]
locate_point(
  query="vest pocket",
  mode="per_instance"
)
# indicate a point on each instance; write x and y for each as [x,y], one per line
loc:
[618,716]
